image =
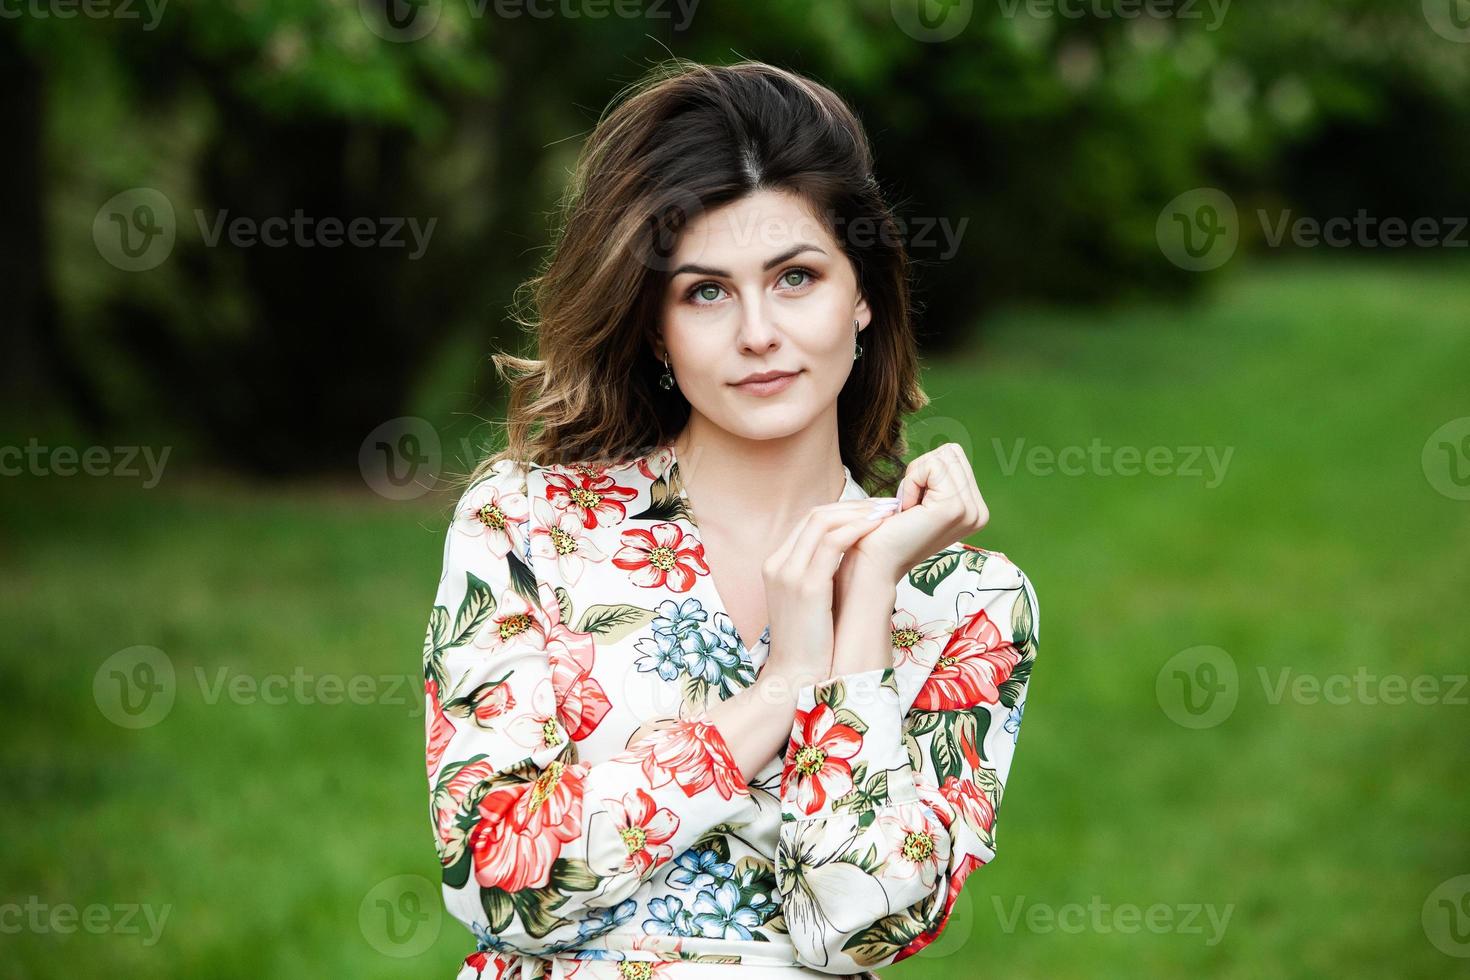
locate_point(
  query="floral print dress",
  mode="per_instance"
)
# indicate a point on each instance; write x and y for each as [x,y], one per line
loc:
[589,818]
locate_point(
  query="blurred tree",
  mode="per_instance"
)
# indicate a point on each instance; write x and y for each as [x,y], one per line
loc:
[1030,156]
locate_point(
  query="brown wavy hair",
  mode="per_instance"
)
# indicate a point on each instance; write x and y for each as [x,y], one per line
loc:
[683,139]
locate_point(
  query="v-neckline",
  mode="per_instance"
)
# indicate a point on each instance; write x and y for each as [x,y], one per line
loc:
[851,490]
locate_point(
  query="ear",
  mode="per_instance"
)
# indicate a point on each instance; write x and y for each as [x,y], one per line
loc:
[861,313]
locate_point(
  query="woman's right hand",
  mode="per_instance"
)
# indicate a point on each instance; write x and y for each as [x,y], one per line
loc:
[799,578]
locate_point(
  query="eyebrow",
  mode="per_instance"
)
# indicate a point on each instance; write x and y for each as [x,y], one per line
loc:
[786,256]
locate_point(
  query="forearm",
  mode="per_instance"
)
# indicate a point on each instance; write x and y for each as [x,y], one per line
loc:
[863,631]
[756,722]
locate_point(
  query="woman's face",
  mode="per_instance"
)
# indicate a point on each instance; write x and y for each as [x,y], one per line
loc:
[759,286]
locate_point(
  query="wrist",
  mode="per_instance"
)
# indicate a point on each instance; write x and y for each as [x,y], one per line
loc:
[777,687]
[860,573]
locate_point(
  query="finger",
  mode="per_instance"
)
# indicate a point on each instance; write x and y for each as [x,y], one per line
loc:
[982,512]
[827,535]
[920,476]
[792,549]
[966,498]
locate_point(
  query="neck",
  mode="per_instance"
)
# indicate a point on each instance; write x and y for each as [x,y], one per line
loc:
[763,483]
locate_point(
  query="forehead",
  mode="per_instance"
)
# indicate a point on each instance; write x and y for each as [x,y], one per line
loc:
[747,231]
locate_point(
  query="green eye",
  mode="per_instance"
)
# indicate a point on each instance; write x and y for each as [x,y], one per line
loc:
[708,292]
[796,278]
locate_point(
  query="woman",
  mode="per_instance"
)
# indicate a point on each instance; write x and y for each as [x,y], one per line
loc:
[621,785]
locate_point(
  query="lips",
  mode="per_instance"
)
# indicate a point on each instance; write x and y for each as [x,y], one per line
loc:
[764,376]
[767,383]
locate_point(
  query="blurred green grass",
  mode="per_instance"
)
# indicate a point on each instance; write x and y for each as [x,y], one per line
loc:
[1322,828]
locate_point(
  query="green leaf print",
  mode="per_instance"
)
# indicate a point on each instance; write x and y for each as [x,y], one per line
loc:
[848,717]
[1022,621]
[573,875]
[614,622]
[498,908]
[832,694]
[523,580]
[945,751]
[477,606]
[928,573]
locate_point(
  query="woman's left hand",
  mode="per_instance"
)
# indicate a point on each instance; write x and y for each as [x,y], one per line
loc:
[939,503]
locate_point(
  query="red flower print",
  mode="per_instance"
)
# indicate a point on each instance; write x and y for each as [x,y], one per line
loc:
[971,803]
[656,464]
[660,556]
[914,848]
[558,537]
[645,828]
[692,754]
[483,959]
[596,498]
[581,702]
[523,827]
[484,704]
[957,875]
[448,801]
[970,670]
[515,621]
[496,516]
[817,758]
[539,726]
[916,642]
[438,729]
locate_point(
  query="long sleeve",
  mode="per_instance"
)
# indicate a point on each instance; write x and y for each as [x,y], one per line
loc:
[537,848]
[892,778]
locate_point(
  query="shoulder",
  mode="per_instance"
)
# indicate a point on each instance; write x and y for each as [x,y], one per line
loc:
[494,510]
[966,586]
[960,566]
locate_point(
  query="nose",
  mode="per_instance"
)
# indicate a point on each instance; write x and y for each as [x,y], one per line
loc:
[759,332]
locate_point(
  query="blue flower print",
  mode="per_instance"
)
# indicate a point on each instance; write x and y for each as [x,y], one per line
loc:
[660,652]
[670,918]
[707,658]
[603,920]
[1013,721]
[678,619]
[725,631]
[758,891]
[719,914]
[701,869]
